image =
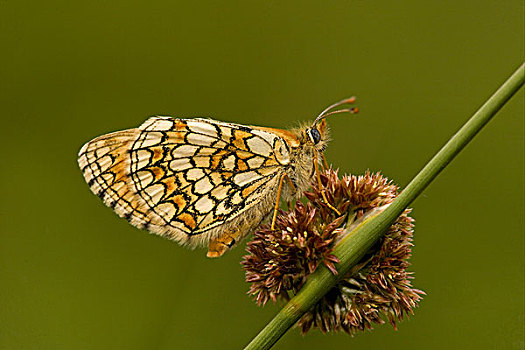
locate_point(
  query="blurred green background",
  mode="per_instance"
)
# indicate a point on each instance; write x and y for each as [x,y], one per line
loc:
[75,276]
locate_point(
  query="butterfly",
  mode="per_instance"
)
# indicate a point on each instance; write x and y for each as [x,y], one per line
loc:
[204,182]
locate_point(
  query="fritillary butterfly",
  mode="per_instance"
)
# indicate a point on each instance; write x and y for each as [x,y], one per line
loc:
[201,181]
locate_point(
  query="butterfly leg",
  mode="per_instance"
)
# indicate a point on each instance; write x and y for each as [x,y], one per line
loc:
[279,190]
[316,165]
[325,163]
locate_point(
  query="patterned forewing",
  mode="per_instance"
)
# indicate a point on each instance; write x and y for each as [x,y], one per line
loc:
[196,174]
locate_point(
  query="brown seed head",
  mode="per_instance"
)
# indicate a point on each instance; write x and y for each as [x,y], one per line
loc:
[378,288]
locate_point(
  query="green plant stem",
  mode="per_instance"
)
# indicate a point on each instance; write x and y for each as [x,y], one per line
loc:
[352,248]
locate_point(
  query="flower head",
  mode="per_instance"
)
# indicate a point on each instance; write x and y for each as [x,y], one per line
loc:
[279,261]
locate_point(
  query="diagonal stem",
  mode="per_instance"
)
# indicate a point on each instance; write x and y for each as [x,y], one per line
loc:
[352,248]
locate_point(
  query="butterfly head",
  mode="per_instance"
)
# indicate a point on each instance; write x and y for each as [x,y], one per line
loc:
[317,135]
[318,132]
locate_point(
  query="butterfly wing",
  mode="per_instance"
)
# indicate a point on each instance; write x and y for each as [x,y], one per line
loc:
[183,177]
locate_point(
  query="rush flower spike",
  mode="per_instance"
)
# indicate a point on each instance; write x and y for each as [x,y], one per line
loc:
[279,261]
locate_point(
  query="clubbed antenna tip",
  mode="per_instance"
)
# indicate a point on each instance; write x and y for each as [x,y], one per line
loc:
[330,109]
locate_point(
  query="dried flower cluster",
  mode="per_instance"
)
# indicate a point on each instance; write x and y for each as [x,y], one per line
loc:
[280,261]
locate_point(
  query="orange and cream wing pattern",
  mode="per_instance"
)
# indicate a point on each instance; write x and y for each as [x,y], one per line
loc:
[181,178]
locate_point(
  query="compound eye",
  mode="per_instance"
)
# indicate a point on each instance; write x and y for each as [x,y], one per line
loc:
[314,135]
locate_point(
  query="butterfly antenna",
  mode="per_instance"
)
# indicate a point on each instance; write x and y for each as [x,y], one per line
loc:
[329,110]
